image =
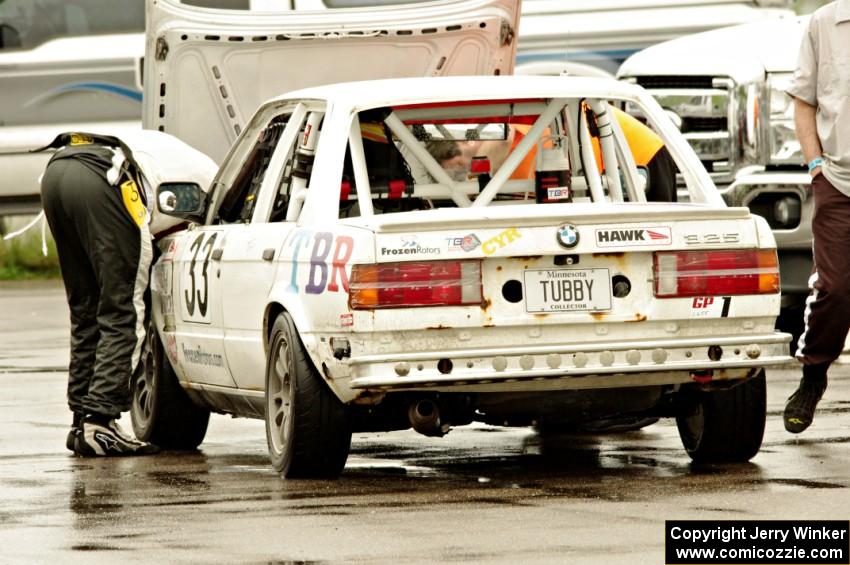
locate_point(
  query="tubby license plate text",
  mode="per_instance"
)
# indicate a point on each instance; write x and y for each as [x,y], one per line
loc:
[567,290]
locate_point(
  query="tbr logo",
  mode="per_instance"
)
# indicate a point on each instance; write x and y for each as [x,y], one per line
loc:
[466,243]
[558,193]
[656,235]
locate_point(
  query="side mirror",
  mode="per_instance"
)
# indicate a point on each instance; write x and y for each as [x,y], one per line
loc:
[183,200]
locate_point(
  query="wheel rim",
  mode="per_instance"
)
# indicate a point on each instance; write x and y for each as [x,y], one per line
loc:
[143,390]
[280,395]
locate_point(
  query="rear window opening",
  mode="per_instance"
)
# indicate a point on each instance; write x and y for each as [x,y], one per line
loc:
[495,152]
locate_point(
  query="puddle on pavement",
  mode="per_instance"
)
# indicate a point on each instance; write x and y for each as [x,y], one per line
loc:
[514,470]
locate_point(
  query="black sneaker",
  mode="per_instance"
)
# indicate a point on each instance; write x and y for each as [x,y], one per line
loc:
[105,438]
[76,425]
[800,407]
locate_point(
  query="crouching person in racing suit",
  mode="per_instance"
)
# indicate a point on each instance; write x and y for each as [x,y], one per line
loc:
[97,198]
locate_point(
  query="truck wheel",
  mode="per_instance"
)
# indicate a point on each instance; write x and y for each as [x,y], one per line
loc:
[161,411]
[725,425]
[307,427]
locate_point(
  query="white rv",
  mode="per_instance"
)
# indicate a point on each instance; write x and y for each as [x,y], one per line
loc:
[63,65]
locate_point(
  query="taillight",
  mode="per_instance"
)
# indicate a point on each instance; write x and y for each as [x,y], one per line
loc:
[415,283]
[715,273]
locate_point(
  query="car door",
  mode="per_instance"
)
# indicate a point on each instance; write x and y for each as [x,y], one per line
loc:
[207,70]
[204,284]
[249,261]
[198,333]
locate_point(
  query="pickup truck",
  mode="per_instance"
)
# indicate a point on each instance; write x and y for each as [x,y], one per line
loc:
[725,91]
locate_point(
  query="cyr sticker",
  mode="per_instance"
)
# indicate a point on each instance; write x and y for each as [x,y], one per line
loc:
[346,320]
[710,306]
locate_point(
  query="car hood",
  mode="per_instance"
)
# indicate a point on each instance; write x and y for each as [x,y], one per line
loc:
[206,71]
[744,53]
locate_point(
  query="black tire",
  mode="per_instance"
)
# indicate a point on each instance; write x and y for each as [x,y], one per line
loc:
[725,426]
[161,411]
[307,427]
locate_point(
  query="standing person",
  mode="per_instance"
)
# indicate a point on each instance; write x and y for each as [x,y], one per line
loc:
[821,92]
[97,200]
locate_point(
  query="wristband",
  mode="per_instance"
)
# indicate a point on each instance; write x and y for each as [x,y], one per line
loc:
[815,163]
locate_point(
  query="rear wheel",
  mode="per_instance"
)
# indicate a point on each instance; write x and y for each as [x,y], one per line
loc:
[724,425]
[161,411]
[307,427]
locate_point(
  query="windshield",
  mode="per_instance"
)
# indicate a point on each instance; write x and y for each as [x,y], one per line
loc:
[25,24]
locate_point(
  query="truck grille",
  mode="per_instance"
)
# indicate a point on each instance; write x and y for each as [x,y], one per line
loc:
[703,124]
[651,82]
[702,107]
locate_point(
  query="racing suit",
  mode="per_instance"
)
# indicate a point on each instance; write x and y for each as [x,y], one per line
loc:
[96,194]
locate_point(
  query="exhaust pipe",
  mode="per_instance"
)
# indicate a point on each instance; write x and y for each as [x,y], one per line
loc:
[425,418]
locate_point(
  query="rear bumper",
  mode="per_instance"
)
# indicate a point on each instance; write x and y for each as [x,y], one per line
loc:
[564,367]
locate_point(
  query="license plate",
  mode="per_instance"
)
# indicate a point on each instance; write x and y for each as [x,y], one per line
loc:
[567,290]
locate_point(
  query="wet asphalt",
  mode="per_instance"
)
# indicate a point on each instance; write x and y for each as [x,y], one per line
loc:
[479,495]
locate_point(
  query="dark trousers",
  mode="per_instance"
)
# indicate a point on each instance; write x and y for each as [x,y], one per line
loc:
[827,313]
[105,261]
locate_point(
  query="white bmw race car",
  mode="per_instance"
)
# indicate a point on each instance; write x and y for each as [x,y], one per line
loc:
[436,251]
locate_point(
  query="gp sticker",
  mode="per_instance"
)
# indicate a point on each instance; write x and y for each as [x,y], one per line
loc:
[325,246]
[710,306]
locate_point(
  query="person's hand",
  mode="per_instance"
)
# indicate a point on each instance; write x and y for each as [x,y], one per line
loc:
[815,172]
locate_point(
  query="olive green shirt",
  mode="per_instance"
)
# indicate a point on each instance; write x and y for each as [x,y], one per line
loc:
[822,79]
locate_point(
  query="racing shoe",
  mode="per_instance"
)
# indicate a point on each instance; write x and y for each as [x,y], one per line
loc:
[76,424]
[103,437]
[800,408]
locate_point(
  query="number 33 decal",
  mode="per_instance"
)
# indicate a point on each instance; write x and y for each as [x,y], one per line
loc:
[196,284]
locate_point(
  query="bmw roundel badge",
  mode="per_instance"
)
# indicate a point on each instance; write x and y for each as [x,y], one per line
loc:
[568,236]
